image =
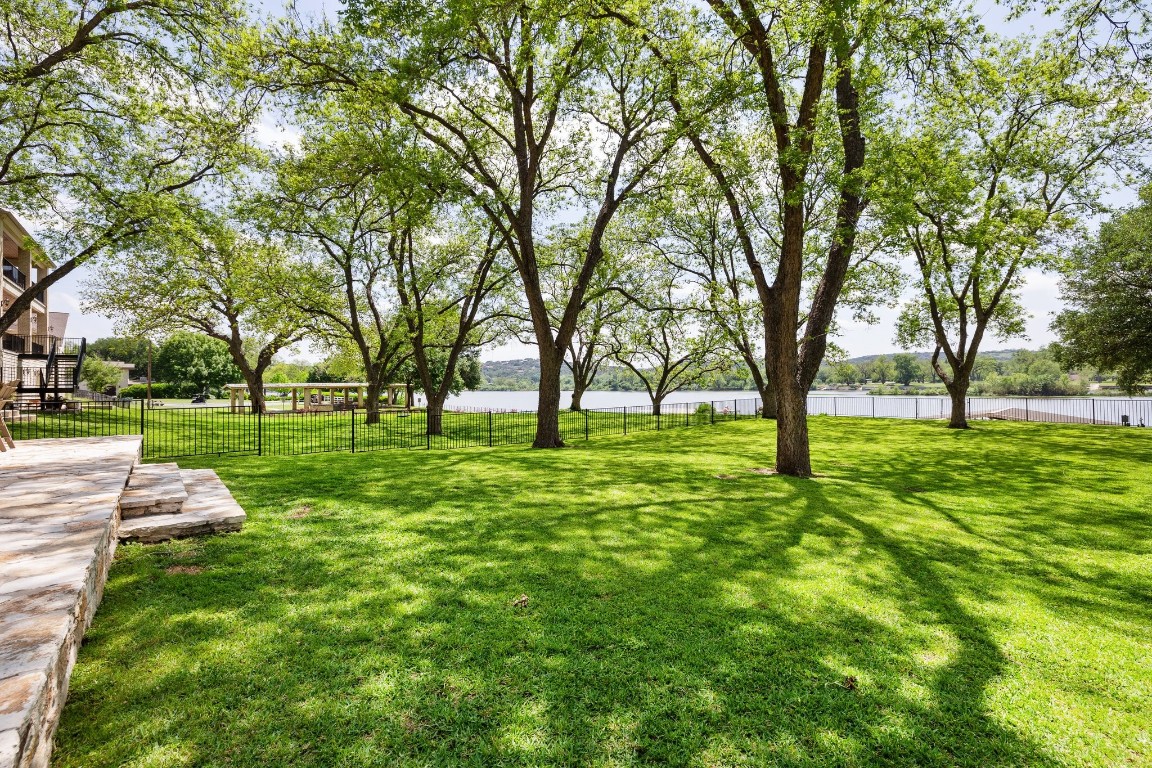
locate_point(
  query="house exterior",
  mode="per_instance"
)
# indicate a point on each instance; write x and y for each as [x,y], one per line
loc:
[34,350]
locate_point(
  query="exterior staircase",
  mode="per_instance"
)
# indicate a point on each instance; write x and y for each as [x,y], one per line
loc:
[162,501]
[46,367]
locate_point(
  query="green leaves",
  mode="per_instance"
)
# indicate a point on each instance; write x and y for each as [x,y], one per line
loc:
[1108,283]
[109,115]
[993,169]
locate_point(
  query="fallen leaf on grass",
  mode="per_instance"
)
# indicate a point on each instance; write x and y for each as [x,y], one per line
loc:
[520,602]
[191,570]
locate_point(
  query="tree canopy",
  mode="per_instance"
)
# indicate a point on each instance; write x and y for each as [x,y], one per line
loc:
[1108,284]
[665,186]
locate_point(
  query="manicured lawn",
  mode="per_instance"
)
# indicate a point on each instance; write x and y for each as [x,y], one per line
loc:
[978,598]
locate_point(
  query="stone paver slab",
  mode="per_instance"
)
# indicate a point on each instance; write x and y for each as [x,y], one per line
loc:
[210,508]
[153,489]
[59,511]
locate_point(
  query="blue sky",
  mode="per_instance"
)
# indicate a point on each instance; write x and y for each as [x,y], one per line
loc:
[1040,294]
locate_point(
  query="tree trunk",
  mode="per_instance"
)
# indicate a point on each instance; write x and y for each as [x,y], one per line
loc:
[656,402]
[792,452]
[768,401]
[372,407]
[255,382]
[434,415]
[548,407]
[793,456]
[577,394]
[958,393]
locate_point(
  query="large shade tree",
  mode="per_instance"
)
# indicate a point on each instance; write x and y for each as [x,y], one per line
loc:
[1107,284]
[809,77]
[348,222]
[109,114]
[540,105]
[998,163]
[206,273]
[449,279]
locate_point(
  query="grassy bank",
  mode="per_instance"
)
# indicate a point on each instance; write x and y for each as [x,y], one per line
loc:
[934,598]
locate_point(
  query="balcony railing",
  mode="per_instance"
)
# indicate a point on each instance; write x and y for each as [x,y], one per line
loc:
[15,275]
[41,345]
[12,342]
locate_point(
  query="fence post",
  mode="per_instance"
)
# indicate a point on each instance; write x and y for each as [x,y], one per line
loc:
[585,424]
[353,412]
[712,403]
[835,407]
[874,405]
[489,427]
[1027,416]
[625,419]
[1093,411]
[260,432]
[141,423]
[916,402]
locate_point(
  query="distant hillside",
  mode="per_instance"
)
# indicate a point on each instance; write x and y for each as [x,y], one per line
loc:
[511,374]
[996,354]
[524,375]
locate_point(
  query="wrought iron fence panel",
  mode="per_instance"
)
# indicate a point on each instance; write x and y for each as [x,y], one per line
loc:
[174,432]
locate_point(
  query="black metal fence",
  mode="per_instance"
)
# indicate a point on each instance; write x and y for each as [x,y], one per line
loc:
[173,432]
[1104,411]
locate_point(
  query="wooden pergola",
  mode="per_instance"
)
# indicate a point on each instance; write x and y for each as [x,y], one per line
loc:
[320,396]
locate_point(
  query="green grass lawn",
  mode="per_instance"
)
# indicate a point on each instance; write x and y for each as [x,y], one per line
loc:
[979,598]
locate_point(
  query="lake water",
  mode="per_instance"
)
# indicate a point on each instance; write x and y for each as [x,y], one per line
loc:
[1098,410]
[526,401]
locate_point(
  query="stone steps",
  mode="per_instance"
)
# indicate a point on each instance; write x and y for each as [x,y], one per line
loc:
[62,511]
[208,508]
[153,489]
[58,517]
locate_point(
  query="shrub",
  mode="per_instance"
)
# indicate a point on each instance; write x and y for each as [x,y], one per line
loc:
[160,390]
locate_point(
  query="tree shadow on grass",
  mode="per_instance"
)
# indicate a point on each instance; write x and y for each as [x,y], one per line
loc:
[671,618]
[1034,539]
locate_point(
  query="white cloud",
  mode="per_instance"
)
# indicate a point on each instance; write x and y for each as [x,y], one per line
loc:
[273,135]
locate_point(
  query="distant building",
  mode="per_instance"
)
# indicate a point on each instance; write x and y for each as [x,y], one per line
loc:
[34,351]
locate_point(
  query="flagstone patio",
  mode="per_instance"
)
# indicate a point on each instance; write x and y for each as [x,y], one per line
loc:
[60,520]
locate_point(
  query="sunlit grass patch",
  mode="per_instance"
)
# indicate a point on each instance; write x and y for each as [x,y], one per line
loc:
[935,598]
